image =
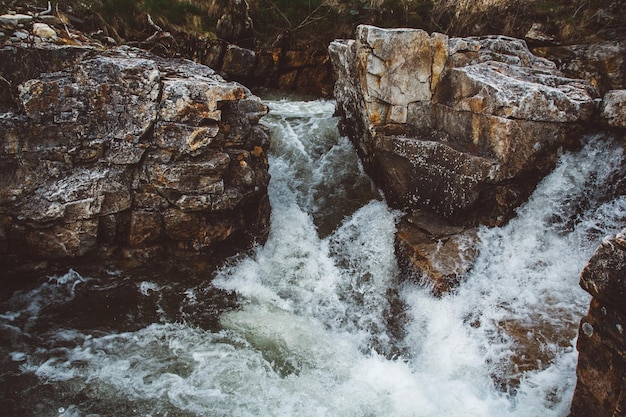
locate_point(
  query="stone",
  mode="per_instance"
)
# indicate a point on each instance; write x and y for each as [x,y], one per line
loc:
[433,252]
[463,128]
[43,31]
[121,153]
[614,108]
[603,64]
[238,62]
[538,34]
[601,372]
[413,103]
[15,19]
[145,228]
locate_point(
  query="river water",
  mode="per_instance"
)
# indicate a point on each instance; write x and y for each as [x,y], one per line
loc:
[318,320]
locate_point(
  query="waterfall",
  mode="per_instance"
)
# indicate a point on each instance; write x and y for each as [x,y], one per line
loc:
[324,323]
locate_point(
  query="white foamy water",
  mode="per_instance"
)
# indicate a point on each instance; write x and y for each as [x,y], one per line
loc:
[326,325]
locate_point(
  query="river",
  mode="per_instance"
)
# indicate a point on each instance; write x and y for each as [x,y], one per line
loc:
[318,321]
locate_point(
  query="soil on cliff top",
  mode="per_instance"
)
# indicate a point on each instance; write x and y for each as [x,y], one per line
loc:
[317,22]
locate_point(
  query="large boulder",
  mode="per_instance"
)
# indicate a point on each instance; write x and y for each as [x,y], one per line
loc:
[123,153]
[614,108]
[460,127]
[601,384]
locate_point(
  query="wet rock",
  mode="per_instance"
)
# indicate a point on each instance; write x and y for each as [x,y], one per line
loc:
[99,152]
[614,108]
[461,127]
[433,252]
[601,385]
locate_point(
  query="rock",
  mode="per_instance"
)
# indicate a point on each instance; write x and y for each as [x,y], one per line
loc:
[614,108]
[455,118]
[603,64]
[434,253]
[537,35]
[463,128]
[112,152]
[15,19]
[239,62]
[235,24]
[43,31]
[601,384]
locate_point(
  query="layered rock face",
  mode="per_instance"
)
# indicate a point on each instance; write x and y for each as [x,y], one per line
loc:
[455,125]
[460,127]
[601,384]
[121,153]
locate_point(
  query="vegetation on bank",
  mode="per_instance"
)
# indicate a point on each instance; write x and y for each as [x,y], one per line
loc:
[318,22]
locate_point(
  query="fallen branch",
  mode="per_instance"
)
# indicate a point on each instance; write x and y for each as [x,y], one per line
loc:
[154,25]
[45,12]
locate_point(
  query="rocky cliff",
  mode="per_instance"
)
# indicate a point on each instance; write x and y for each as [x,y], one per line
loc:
[121,154]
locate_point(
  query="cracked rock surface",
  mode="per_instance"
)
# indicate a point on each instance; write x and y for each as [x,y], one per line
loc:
[121,153]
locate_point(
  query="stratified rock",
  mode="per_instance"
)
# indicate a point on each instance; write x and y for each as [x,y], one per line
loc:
[614,108]
[603,64]
[461,127]
[601,385]
[112,151]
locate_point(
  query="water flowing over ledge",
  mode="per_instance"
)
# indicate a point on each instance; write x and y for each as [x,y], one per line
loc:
[324,325]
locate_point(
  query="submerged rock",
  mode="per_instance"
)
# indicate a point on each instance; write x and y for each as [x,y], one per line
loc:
[125,154]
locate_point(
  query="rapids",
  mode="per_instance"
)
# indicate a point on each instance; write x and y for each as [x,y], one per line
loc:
[323,323]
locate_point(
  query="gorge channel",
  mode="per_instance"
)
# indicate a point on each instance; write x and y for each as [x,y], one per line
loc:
[324,325]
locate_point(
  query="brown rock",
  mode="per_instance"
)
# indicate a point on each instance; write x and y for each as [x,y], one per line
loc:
[433,252]
[125,153]
[601,385]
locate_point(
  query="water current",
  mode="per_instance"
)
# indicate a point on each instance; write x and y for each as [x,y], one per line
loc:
[323,323]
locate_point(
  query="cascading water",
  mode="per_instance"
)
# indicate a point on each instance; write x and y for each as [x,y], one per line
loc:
[324,324]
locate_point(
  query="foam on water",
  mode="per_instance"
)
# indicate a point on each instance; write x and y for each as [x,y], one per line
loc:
[326,327]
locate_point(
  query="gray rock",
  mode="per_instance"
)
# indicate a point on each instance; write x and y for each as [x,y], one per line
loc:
[15,19]
[475,99]
[114,151]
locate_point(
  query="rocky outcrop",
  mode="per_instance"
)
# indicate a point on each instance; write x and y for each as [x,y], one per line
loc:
[601,384]
[123,154]
[603,64]
[460,127]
